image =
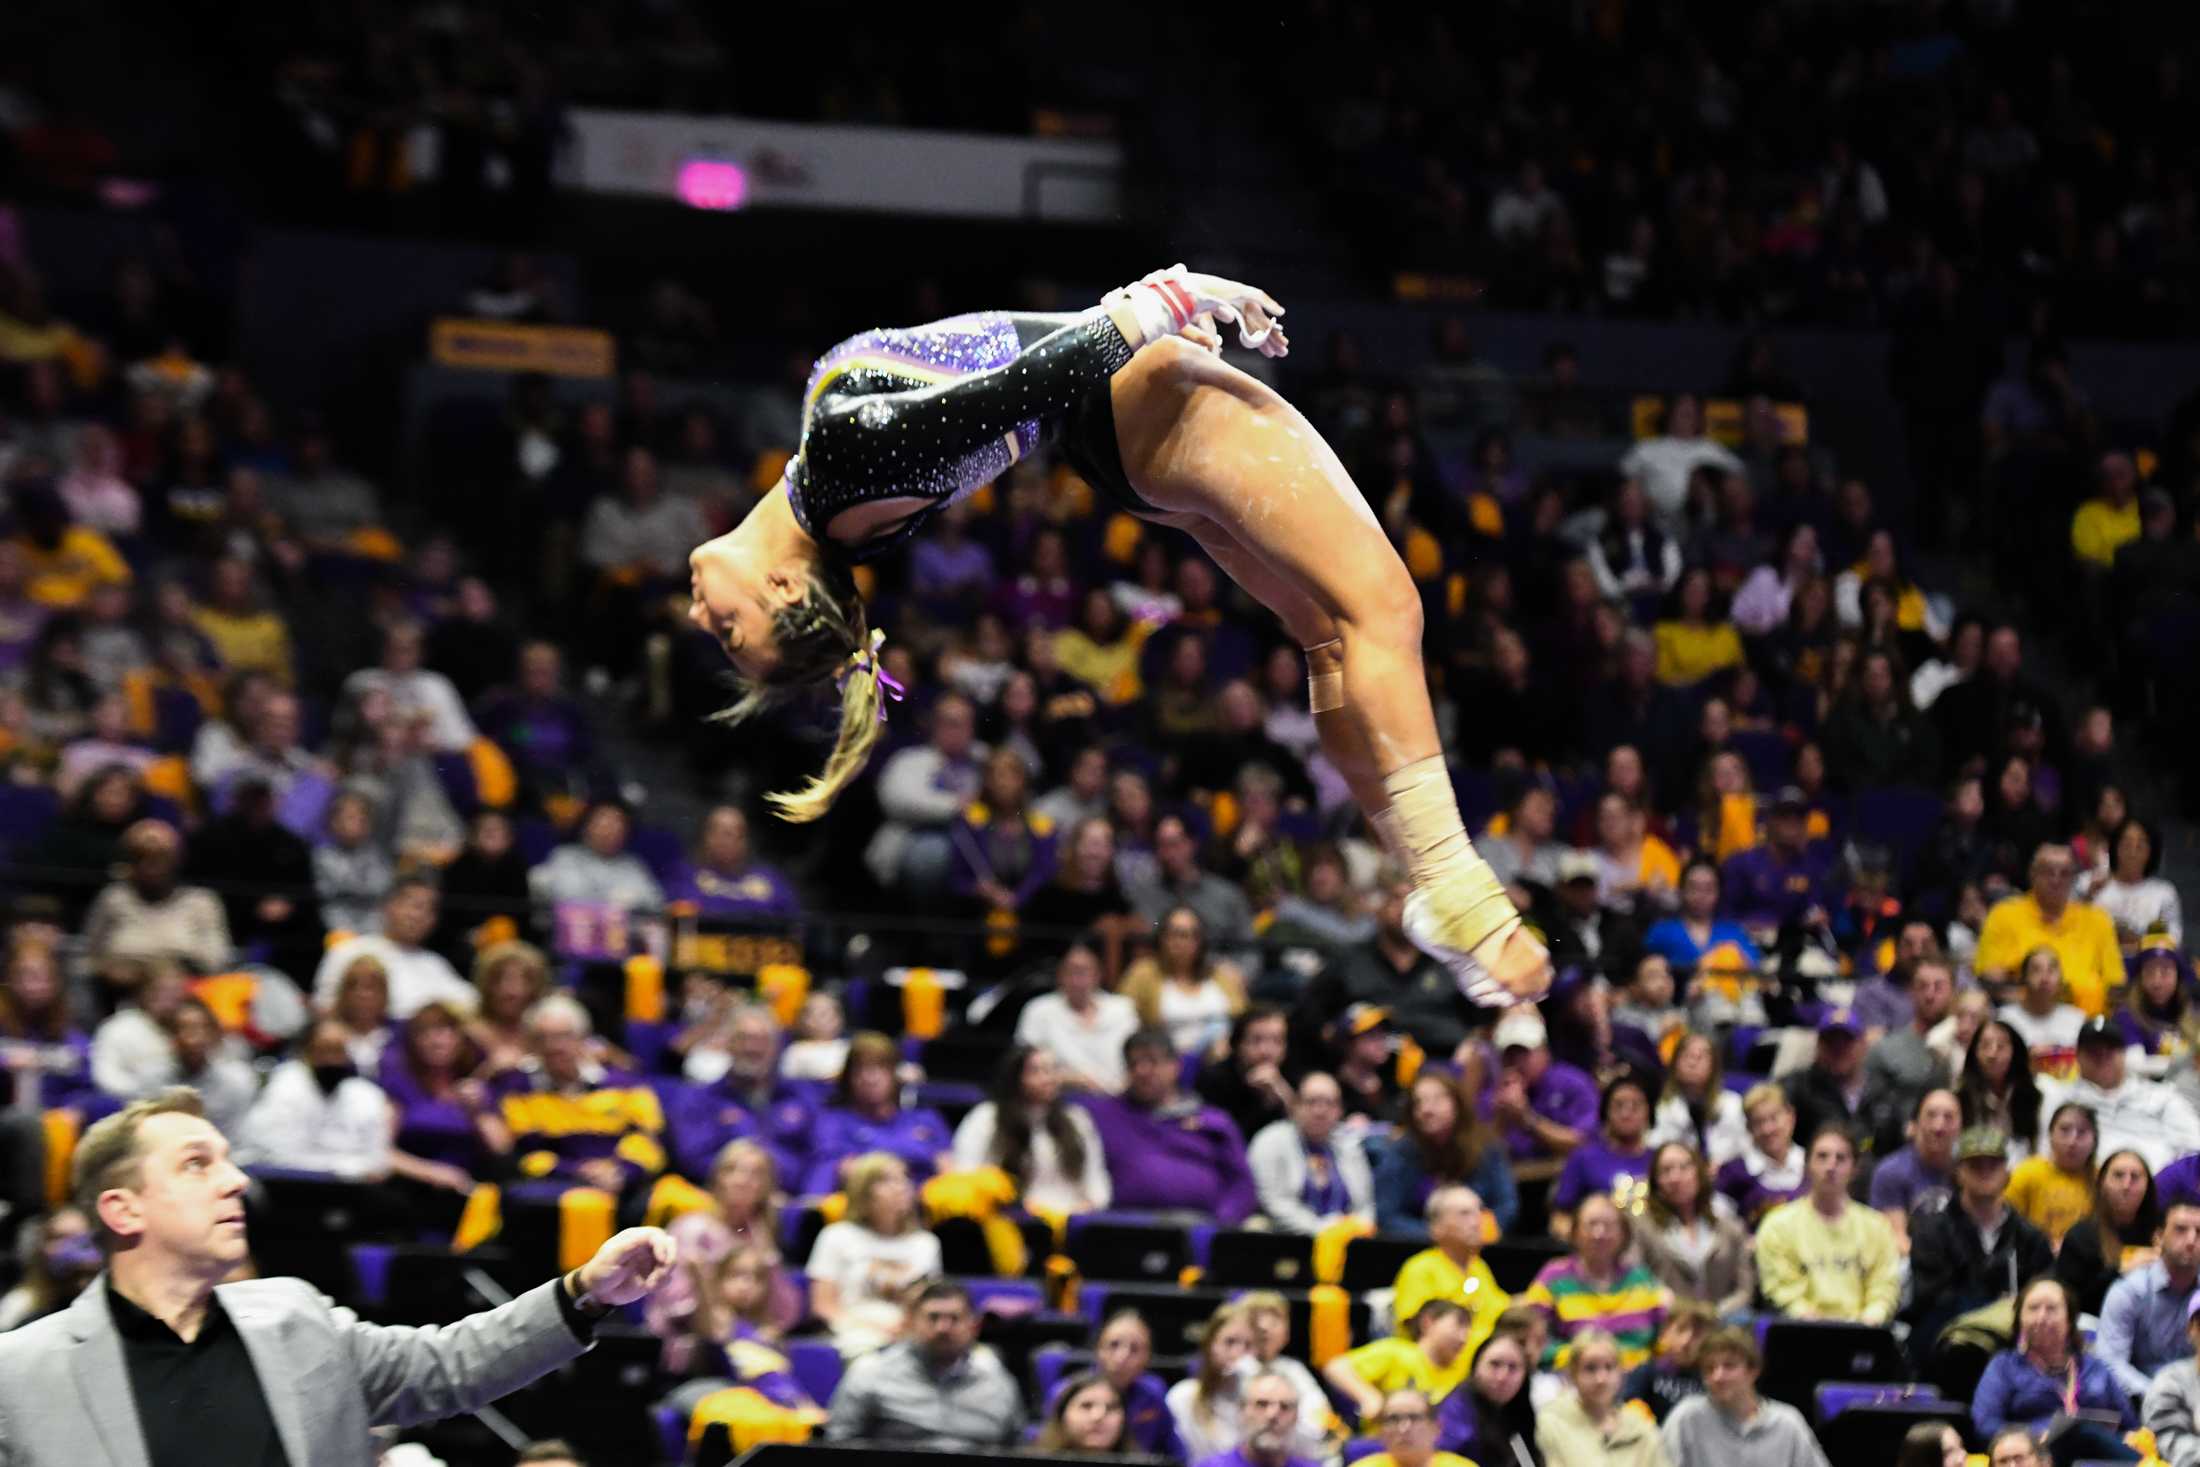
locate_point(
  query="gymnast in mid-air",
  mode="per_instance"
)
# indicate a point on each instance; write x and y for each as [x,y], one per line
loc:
[897,424]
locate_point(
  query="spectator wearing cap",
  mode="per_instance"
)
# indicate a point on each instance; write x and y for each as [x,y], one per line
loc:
[1451,1267]
[1917,1178]
[1308,1171]
[2171,1410]
[1579,930]
[1823,1256]
[1830,1090]
[1902,1067]
[1782,877]
[1166,1151]
[1366,1053]
[2082,935]
[1976,1249]
[2144,1318]
[2145,1116]
[1614,1161]
[1542,1106]
[2159,1011]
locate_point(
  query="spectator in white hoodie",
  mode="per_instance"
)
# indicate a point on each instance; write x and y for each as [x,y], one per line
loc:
[2145,1116]
[318,1114]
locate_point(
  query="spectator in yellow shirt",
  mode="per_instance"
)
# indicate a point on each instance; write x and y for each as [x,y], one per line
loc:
[2082,935]
[1433,1359]
[1692,643]
[2054,1192]
[2109,521]
[1453,1268]
[1823,1256]
[247,637]
[62,562]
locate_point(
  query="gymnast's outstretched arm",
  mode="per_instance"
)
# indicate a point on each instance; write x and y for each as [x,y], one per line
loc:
[885,442]
[879,445]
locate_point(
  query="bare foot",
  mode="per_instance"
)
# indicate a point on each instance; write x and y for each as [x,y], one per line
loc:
[1520,963]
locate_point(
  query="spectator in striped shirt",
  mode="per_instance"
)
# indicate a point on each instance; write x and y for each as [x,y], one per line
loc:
[1598,1287]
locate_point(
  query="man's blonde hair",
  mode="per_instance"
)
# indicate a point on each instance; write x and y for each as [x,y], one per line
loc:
[108,1156]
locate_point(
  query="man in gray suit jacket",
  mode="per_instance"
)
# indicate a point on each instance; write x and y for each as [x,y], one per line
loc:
[160,1364]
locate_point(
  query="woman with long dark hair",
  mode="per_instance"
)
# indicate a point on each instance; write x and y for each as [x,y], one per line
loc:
[2118,1237]
[1490,1418]
[1444,1141]
[1696,1250]
[1027,1130]
[1997,1088]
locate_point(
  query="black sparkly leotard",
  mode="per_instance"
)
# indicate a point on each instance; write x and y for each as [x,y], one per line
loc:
[932,412]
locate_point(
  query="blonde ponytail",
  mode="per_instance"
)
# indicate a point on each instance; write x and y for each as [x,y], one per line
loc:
[860,718]
[824,637]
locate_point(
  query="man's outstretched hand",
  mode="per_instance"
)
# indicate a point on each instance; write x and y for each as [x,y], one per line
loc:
[627,1267]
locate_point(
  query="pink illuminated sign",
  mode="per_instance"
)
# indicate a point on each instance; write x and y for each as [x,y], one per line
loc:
[712,183]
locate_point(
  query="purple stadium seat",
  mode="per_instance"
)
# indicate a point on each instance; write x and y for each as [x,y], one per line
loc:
[1836,1396]
[672,1432]
[816,1364]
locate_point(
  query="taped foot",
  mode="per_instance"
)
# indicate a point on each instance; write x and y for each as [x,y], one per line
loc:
[1509,967]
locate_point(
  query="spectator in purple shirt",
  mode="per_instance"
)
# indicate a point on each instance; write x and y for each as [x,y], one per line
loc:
[1772,1168]
[1165,1150]
[866,1115]
[448,1127]
[39,1045]
[1922,1174]
[725,883]
[1543,1106]
[1785,877]
[1609,1161]
[546,733]
[1003,851]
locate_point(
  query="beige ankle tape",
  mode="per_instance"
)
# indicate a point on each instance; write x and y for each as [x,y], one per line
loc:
[1324,690]
[1463,891]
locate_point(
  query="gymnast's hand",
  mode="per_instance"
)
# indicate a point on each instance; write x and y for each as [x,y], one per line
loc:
[628,1266]
[1180,301]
